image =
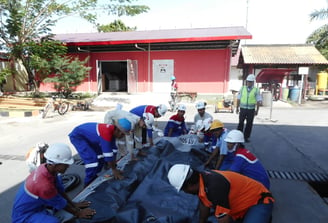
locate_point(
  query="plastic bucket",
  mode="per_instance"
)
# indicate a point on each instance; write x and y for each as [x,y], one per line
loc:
[294,93]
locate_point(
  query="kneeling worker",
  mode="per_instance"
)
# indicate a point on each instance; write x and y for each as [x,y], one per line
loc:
[42,193]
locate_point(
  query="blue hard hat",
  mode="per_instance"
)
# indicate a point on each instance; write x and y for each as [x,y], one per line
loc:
[124,125]
[172,77]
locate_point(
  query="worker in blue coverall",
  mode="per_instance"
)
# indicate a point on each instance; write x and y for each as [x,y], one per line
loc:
[95,143]
[42,194]
[241,160]
[156,111]
[176,125]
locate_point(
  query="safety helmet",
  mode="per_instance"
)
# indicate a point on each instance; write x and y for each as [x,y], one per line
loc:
[235,136]
[148,119]
[200,105]
[124,125]
[177,175]
[59,153]
[182,107]
[42,147]
[216,124]
[172,77]
[161,109]
[250,77]
[207,123]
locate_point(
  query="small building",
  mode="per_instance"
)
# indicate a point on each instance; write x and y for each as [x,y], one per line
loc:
[283,64]
[143,61]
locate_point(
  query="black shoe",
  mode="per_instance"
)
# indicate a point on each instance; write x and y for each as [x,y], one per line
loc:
[247,140]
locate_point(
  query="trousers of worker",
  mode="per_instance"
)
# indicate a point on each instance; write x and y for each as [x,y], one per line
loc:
[92,157]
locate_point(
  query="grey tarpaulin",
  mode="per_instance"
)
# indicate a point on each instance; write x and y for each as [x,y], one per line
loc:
[145,194]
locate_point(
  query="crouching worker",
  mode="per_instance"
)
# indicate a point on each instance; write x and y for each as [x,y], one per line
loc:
[42,193]
[147,133]
[96,144]
[176,125]
[126,145]
[234,197]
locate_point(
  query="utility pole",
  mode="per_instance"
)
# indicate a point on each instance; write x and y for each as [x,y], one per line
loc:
[246,24]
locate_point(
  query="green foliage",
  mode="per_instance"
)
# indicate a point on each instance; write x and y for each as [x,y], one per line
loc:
[43,55]
[116,26]
[320,39]
[121,9]
[68,73]
[23,22]
[319,14]
[3,74]
[320,36]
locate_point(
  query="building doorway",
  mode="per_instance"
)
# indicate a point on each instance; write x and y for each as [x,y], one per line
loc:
[114,76]
[117,76]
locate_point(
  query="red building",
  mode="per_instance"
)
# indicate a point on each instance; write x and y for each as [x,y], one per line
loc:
[143,61]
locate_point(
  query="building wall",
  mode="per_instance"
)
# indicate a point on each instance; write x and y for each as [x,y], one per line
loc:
[201,71]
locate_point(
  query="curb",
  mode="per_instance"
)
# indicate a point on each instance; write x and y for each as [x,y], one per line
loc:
[19,114]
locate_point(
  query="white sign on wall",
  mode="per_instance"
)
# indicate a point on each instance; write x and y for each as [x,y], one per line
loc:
[162,72]
[303,70]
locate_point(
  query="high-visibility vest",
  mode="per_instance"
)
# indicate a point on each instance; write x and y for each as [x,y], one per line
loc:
[248,98]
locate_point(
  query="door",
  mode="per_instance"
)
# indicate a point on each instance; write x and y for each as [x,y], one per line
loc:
[99,79]
[132,68]
[162,72]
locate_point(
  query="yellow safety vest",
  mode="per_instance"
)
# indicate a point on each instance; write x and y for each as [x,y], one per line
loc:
[248,98]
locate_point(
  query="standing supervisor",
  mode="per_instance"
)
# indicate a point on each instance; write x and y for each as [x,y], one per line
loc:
[249,100]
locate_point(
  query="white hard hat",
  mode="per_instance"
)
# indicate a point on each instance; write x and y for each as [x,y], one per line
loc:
[200,105]
[148,118]
[250,77]
[235,136]
[177,175]
[207,123]
[161,109]
[59,153]
[182,107]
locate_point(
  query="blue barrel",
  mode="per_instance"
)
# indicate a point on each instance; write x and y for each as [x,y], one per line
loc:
[294,93]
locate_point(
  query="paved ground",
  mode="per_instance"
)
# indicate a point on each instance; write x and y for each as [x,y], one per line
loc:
[288,139]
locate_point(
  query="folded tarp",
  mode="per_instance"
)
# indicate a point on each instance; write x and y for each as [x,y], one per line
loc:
[145,195]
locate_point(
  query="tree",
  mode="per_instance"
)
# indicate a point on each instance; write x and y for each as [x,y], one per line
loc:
[25,21]
[116,26]
[68,73]
[320,36]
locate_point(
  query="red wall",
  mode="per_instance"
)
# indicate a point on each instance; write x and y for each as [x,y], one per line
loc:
[202,71]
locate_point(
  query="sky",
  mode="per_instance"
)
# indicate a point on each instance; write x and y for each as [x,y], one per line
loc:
[268,21]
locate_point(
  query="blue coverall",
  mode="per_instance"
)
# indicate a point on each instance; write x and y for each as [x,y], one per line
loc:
[40,191]
[96,145]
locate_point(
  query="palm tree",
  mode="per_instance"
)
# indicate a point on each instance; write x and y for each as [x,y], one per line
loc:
[320,36]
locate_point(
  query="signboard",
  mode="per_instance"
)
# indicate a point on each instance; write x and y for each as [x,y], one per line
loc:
[303,70]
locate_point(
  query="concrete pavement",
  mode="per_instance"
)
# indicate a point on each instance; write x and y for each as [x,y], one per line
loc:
[287,139]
